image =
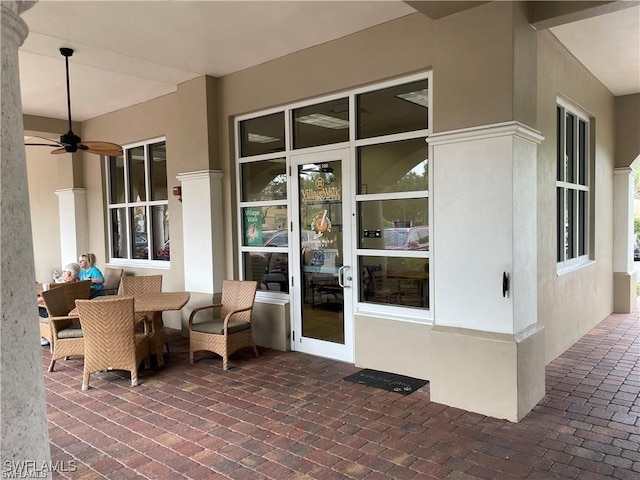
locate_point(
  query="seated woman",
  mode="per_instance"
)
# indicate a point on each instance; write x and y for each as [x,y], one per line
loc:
[89,271]
[70,273]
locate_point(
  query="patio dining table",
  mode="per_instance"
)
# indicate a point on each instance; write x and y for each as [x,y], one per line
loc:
[155,303]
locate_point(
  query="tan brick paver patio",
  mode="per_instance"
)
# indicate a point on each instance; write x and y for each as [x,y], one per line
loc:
[292,416]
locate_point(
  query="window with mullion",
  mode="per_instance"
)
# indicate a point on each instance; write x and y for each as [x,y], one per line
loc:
[572,185]
[138,203]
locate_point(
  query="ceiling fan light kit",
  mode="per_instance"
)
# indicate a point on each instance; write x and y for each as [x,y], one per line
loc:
[70,142]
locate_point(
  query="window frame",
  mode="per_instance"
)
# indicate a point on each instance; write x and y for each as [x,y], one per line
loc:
[128,204]
[575,217]
[405,313]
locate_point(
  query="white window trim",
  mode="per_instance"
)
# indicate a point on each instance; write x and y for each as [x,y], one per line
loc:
[130,262]
[402,313]
[573,264]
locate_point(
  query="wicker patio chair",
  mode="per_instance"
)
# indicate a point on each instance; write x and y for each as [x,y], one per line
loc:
[110,339]
[157,334]
[112,279]
[45,328]
[230,330]
[66,336]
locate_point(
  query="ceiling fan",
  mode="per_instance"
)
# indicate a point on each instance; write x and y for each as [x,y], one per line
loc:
[70,142]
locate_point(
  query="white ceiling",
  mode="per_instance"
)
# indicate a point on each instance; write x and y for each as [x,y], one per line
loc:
[130,52]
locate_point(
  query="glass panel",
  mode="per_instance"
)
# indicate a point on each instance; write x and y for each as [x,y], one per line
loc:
[394,224]
[570,224]
[137,188]
[140,233]
[263,181]
[570,149]
[119,232]
[393,167]
[158,173]
[321,254]
[582,222]
[402,108]
[583,160]
[394,281]
[262,135]
[116,180]
[269,269]
[160,222]
[560,216]
[560,143]
[265,226]
[321,124]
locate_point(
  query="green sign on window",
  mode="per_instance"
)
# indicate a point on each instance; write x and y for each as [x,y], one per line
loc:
[253,227]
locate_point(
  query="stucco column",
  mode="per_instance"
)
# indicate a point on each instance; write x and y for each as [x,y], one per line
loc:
[624,275]
[24,435]
[72,205]
[202,220]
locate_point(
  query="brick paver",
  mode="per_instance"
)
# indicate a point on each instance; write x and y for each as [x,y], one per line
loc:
[292,416]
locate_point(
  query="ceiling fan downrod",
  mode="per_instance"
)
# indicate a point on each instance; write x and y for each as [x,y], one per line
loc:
[70,136]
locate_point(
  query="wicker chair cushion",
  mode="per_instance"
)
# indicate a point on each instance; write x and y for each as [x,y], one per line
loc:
[73,331]
[216,326]
[44,320]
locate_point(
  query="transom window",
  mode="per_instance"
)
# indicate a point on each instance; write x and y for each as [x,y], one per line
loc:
[572,186]
[138,204]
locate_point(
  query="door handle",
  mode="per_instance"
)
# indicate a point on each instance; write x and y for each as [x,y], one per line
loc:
[341,271]
[505,284]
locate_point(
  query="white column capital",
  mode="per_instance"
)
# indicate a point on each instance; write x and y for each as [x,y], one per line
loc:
[624,171]
[482,132]
[199,175]
[70,191]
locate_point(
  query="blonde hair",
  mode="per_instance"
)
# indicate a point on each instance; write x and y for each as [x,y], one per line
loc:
[91,258]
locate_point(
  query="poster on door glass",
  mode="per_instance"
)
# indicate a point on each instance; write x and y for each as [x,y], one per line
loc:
[253,227]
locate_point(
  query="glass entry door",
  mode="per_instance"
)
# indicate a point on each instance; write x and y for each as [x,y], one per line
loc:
[323,270]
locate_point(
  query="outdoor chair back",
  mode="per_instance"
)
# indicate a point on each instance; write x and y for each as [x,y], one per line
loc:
[157,335]
[112,279]
[65,333]
[110,339]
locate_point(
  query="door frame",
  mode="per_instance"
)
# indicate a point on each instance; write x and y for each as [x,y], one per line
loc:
[343,352]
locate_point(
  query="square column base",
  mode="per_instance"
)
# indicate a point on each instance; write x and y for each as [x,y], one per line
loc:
[494,374]
[625,292]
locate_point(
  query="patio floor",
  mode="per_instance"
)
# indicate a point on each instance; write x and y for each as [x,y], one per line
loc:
[292,416]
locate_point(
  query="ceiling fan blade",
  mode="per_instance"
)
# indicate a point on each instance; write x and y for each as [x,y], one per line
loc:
[101,148]
[49,142]
[58,151]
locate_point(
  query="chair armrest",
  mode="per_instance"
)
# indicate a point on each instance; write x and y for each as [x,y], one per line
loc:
[198,309]
[60,323]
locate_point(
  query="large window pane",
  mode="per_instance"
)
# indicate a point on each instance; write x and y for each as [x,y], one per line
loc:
[262,135]
[119,233]
[321,124]
[570,148]
[265,226]
[269,269]
[394,281]
[583,172]
[116,180]
[160,222]
[140,233]
[560,145]
[400,224]
[393,167]
[137,188]
[402,108]
[158,170]
[263,181]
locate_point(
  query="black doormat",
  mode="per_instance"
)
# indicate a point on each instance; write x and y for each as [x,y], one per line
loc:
[387,381]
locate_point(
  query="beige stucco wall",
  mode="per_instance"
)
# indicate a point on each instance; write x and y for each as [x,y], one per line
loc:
[572,303]
[627,128]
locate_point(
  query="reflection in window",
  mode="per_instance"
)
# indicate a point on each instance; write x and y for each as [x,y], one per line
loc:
[266,180]
[394,281]
[397,109]
[269,269]
[321,124]
[262,135]
[139,228]
[393,167]
[265,226]
[400,224]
